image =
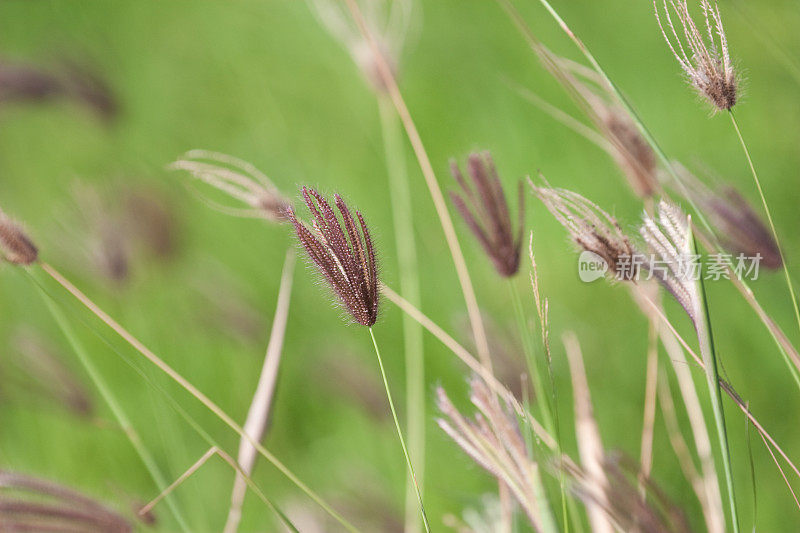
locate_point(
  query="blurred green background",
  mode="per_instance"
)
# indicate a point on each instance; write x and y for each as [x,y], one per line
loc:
[263,81]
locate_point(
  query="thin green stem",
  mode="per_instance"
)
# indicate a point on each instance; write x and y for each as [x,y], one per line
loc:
[541,395]
[410,288]
[400,432]
[706,341]
[172,402]
[549,412]
[769,217]
[116,408]
[191,389]
[393,91]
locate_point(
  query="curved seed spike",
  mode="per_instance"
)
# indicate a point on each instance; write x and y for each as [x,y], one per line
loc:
[343,253]
[486,213]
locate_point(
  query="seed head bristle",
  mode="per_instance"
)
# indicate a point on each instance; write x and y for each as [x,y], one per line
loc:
[238,179]
[706,62]
[15,245]
[591,228]
[343,252]
[486,213]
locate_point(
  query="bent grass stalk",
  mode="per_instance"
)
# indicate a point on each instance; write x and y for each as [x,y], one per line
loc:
[410,287]
[472,363]
[385,71]
[400,432]
[768,213]
[261,406]
[178,409]
[194,391]
[116,408]
[211,452]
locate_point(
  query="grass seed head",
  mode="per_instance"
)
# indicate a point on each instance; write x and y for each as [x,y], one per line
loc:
[485,211]
[626,145]
[36,504]
[493,439]
[670,240]
[622,501]
[343,252]
[388,22]
[591,228]
[738,226]
[741,229]
[237,179]
[703,55]
[15,245]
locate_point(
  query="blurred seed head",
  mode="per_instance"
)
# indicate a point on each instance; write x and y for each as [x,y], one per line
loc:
[95,232]
[151,221]
[703,55]
[388,22]
[15,245]
[25,82]
[735,222]
[112,229]
[493,440]
[237,179]
[35,504]
[485,211]
[591,228]
[626,145]
[46,374]
[621,500]
[343,253]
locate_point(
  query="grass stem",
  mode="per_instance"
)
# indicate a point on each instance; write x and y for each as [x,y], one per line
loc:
[400,432]
[708,352]
[385,72]
[543,398]
[116,408]
[409,285]
[541,394]
[261,406]
[194,391]
[769,218]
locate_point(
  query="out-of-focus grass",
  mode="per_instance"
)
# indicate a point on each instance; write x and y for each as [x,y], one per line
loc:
[262,81]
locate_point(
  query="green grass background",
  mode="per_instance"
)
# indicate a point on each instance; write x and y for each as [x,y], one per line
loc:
[262,81]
